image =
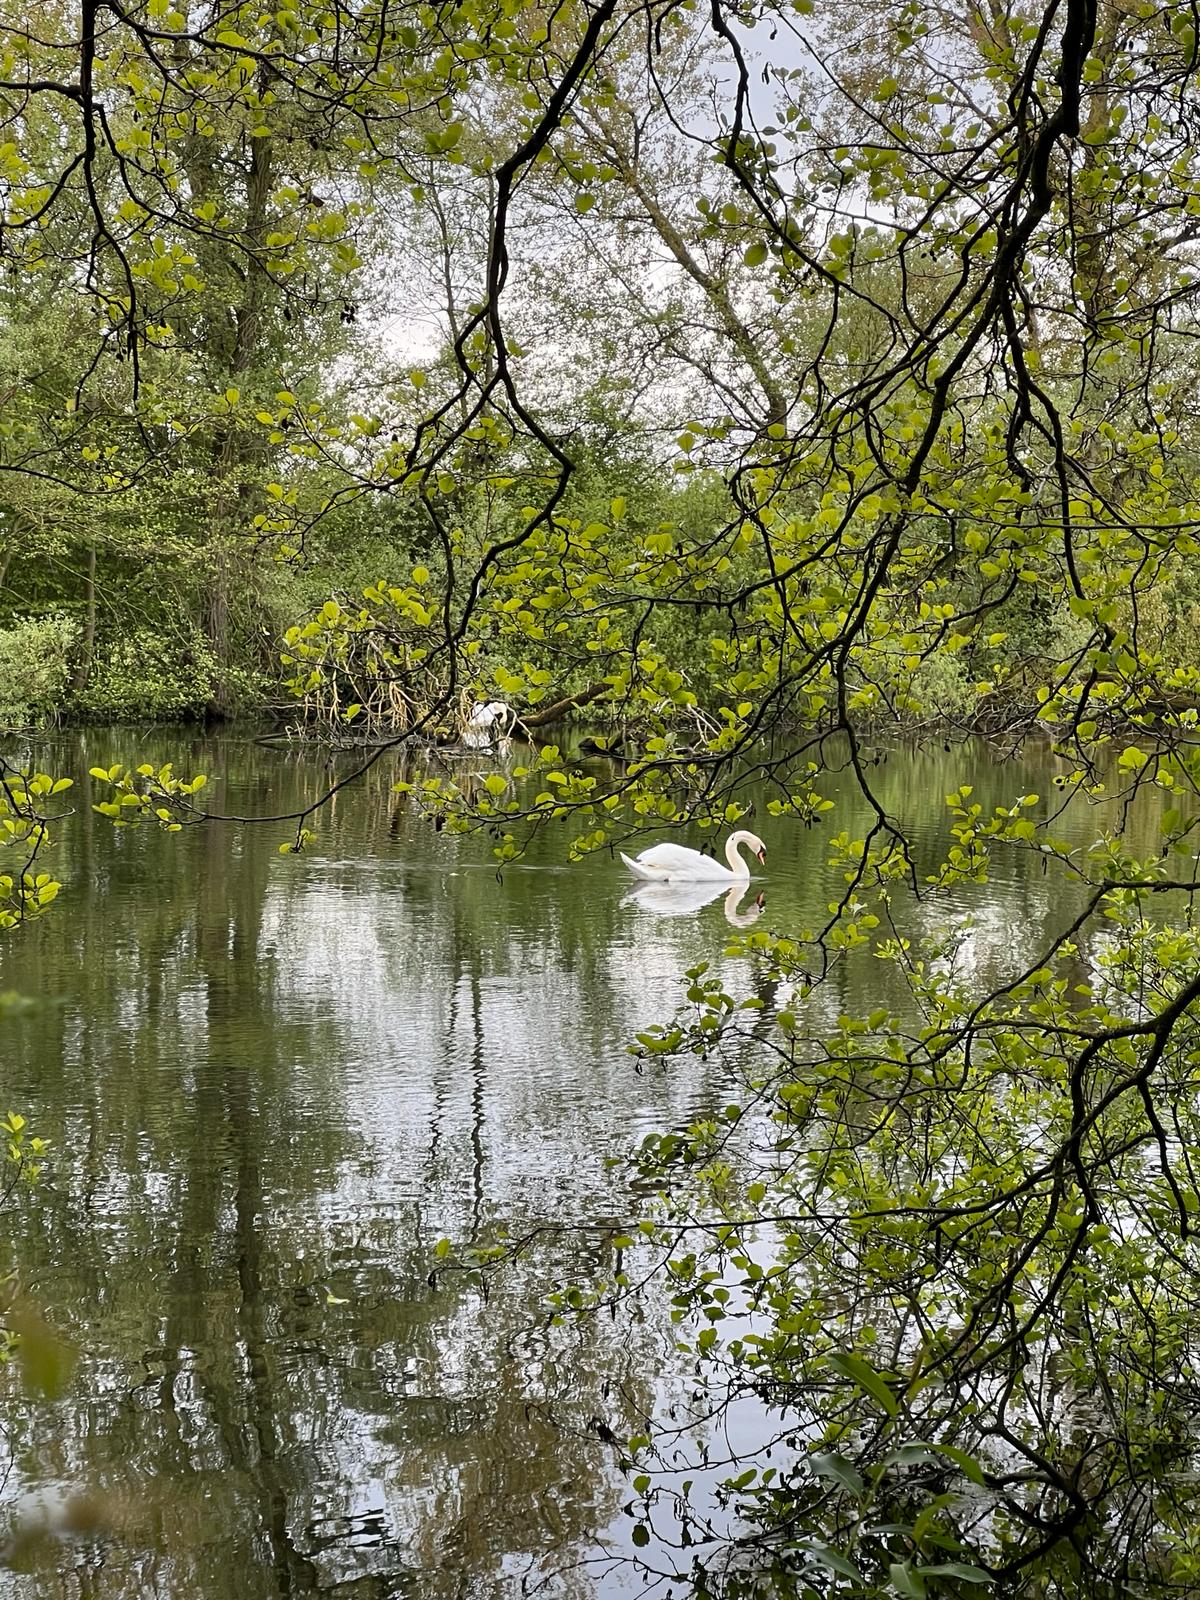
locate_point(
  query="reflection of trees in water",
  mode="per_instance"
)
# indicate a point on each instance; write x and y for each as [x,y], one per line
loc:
[994,927]
[221,1175]
[270,1078]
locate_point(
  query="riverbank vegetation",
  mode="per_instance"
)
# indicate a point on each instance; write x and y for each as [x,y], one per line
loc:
[785,374]
[255,362]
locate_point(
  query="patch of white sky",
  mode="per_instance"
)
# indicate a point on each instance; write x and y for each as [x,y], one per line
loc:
[786,55]
[414,327]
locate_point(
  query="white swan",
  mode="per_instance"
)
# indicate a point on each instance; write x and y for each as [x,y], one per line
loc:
[494,716]
[675,863]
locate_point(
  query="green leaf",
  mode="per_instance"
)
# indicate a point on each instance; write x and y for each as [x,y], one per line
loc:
[966,1464]
[584,202]
[909,1455]
[958,1569]
[864,1375]
[834,1562]
[906,1581]
[838,1469]
[756,254]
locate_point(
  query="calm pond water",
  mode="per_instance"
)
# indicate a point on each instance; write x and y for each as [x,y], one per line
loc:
[272,1084]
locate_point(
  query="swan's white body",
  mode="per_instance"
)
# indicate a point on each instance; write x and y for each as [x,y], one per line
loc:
[675,863]
[495,717]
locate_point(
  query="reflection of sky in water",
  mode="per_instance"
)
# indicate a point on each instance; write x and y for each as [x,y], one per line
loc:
[273,1080]
[424,1041]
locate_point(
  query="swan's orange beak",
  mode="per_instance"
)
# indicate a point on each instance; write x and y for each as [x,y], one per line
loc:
[762,856]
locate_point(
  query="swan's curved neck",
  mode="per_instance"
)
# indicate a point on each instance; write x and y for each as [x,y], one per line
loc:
[733,854]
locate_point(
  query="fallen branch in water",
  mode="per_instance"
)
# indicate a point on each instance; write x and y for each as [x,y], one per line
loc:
[558,708]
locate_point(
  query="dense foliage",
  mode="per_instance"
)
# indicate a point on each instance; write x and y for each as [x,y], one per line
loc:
[800,371]
[300,301]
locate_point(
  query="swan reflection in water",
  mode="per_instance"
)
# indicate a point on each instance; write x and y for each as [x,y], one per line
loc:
[474,740]
[678,899]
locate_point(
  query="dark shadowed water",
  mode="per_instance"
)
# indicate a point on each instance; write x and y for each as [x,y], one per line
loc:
[272,1085]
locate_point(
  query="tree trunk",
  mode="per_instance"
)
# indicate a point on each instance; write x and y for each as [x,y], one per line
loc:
[87,648]
[231,450]
[559,708]
[624,155]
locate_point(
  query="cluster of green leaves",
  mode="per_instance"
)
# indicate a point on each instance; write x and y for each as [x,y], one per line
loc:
[34,668]
[949,1251]
[148,793]
[25,832]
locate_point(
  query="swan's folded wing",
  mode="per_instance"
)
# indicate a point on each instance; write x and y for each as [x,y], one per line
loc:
[662,858]
[641,870]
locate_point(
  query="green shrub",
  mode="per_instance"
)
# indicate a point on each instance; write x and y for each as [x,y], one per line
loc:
[35,664]
[148,674]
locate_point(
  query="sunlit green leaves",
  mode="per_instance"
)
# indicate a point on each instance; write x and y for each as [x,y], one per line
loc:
[148,793]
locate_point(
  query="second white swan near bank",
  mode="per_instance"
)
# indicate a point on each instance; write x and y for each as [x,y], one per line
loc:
[675,863]
[493,718]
